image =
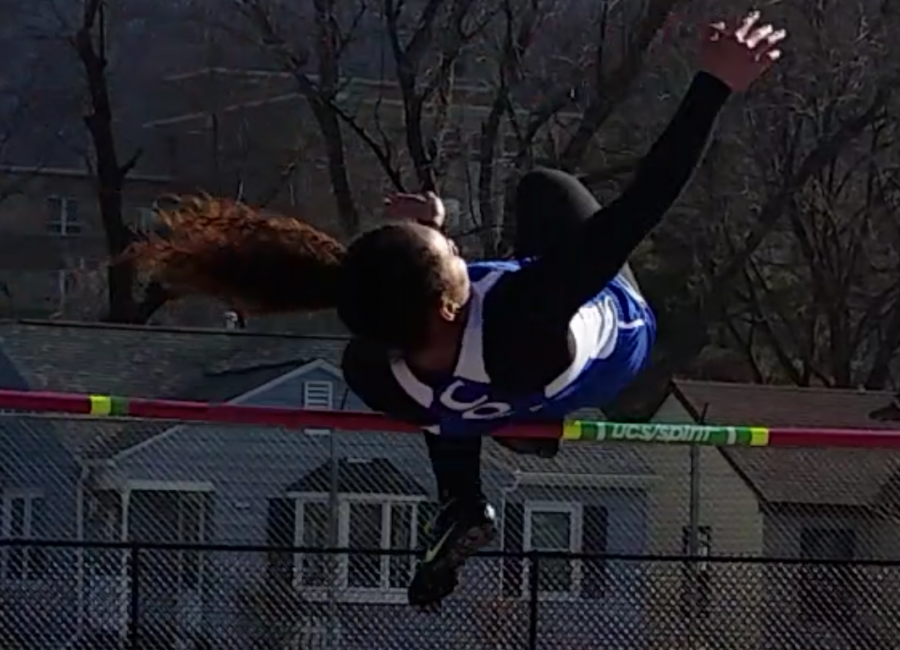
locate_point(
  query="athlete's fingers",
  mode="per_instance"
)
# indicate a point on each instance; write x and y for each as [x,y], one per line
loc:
[759,35]
[747,24]
[716,31]
[769,43]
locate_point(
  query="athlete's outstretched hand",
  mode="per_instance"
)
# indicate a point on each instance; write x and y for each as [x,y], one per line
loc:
[427,209]
[740,53]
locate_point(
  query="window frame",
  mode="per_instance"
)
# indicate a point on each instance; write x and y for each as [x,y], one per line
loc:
[184,580]
[575,511]
[8,498]
[59,223]
[381,594]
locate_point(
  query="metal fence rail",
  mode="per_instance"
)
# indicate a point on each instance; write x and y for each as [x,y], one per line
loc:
[86,596]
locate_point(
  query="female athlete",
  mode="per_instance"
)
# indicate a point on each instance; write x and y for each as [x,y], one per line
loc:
[465,348]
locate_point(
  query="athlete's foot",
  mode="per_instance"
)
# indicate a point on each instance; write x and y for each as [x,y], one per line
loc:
[459,531]
[429,588]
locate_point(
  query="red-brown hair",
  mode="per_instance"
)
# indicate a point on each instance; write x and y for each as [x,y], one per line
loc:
[254,261]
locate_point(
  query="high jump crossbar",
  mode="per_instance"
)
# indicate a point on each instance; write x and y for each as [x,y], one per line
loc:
[100,406]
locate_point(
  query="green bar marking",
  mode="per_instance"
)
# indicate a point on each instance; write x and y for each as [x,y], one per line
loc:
[675,434]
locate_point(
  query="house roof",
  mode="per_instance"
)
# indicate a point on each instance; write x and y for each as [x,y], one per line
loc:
[368,476]
[810,476]
[168,363]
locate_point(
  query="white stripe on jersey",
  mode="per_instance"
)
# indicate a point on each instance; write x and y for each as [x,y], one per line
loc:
[594,328]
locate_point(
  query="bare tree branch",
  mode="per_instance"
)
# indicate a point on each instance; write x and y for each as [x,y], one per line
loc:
[90,44]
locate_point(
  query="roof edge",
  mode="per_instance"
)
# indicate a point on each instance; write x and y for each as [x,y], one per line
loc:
[168,329]
[698,417]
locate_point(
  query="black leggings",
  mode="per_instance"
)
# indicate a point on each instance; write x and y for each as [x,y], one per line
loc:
[548,205]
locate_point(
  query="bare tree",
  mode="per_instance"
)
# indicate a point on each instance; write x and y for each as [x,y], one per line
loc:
[586,79]
[316,67]
[822,297]
[110,174]
[428,45]
[806,124]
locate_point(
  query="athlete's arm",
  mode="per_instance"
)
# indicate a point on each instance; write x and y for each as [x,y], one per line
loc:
[558,284]
[367,372]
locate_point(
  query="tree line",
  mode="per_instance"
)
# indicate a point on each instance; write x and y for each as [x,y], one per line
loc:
[779,264]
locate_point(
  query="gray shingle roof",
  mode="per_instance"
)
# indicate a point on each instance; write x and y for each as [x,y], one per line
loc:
[808,476]
[358,476]
[190,364]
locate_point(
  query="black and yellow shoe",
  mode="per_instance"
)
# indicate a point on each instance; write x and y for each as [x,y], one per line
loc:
[459,531]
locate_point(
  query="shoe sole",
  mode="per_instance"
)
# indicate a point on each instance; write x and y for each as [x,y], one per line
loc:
[468,545]
[436,580]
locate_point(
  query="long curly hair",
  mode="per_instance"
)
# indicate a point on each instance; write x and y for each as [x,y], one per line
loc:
[256,262]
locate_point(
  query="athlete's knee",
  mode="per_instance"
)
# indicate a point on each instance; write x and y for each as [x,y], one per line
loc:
[542,179]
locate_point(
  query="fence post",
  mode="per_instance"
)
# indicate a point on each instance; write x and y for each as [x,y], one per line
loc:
[533,568]
[693,540]
[134,595]
[333,541]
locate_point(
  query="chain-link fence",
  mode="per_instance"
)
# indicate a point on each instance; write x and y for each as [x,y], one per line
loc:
[248,598]
[139,534]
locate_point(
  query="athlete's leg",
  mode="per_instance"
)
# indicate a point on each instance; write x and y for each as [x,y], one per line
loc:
[550,204]
[457,466]
[464,524]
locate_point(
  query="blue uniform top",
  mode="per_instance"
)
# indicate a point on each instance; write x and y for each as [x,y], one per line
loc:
[612,334]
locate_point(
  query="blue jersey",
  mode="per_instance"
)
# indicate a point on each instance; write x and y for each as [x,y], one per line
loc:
[613,334]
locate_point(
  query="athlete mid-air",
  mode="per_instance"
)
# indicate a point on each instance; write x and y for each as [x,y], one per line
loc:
[459,348]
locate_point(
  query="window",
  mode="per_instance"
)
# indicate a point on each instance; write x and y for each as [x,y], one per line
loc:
[826,589]
[318,395]
[192,513]
[313,531]
[697,583]
[19,512]
[559,527]
[366,523]
[554,527]
[64,216]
